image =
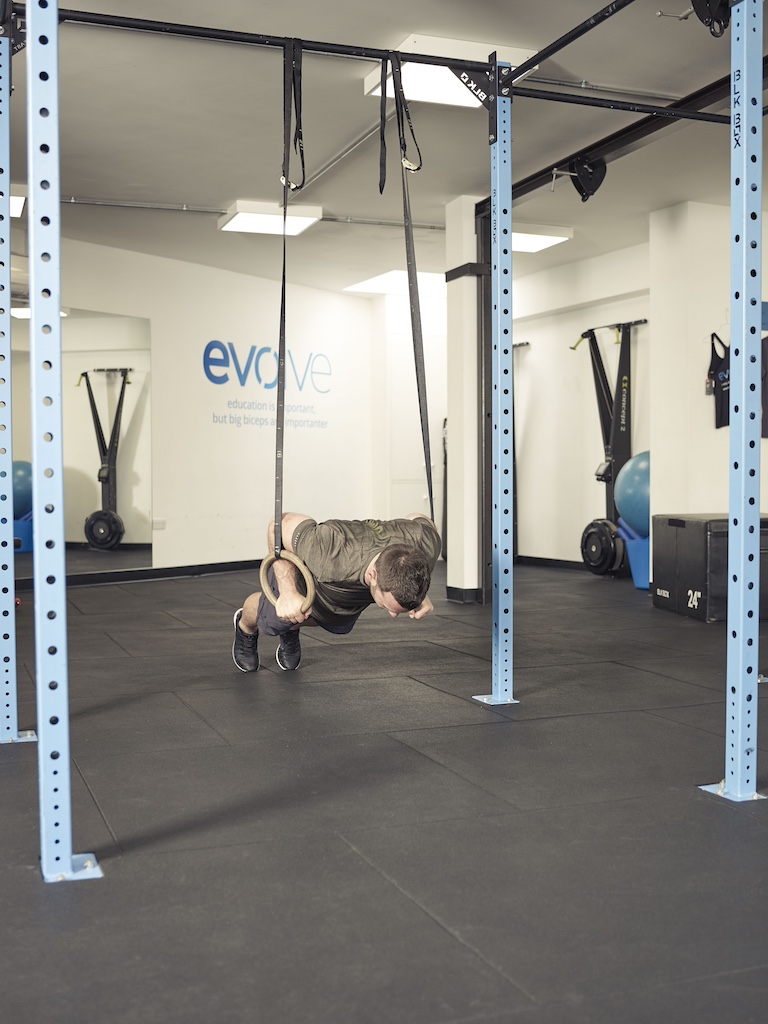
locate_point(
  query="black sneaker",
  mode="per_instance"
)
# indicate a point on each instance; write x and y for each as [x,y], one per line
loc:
[245,649]
[288,654]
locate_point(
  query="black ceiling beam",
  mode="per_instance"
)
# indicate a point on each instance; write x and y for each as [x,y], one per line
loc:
[251,39]
[631,106]
[332,49]
[367,53]
[619,142]
[569,37]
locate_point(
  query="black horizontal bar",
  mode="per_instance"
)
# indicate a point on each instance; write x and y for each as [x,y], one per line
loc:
[635,108]
[468,270]
[569,37]
[625,323]
[252,39]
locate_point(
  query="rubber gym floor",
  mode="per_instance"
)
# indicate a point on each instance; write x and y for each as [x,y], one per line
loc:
[362,842]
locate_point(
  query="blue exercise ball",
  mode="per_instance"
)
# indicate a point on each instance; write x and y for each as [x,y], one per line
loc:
[22,489]
[632,493]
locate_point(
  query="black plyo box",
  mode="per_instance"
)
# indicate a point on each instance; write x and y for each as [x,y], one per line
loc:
[690,565]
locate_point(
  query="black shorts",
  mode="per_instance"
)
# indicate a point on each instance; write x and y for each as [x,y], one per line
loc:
[270,625]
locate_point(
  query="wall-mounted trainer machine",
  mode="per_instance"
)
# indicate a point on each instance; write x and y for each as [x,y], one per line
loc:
[601,547]
[104,529]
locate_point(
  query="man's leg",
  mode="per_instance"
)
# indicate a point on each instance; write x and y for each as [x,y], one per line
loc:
[257,616]
[250,616]
[288,654]
[245,650]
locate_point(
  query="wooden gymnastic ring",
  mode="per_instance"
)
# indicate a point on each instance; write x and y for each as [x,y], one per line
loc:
[266,564]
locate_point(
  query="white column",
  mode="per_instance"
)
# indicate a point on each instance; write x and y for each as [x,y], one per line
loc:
[689,273]
[463,413]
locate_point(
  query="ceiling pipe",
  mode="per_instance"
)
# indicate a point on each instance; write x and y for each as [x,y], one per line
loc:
[129,205]
[119,204]
[585,86]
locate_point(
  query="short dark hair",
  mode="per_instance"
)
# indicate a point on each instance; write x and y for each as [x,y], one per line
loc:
[404,573]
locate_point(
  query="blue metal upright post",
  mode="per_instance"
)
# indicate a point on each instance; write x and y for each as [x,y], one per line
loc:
[501,450]
[9,730]
[746,316]
[57,860]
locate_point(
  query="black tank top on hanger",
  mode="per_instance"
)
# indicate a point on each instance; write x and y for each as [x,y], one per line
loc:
[720,378]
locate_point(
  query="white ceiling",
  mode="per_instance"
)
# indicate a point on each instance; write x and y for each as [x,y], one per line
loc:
[167,121]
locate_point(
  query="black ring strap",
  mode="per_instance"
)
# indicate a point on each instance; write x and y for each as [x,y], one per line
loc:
[291,98]
[406,167]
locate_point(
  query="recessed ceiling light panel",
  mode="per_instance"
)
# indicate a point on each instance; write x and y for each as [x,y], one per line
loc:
[395,282]
[434,83]
[267,218]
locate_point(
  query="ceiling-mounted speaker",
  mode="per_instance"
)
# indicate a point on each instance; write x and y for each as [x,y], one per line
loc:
[587,175]
[715,14]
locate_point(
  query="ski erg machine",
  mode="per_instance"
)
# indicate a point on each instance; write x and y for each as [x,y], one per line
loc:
[104,528]
[602,549]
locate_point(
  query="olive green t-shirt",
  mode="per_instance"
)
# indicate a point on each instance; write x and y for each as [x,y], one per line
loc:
[338,552]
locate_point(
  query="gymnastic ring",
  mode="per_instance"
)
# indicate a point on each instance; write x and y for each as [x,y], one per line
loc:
[266,589]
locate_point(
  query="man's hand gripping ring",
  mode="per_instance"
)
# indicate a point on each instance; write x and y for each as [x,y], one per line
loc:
[289,556]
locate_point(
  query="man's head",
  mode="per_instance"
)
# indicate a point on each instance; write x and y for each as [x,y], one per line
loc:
[404,573]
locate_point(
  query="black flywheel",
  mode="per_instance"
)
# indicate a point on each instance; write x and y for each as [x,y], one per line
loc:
[601,547]
[104,529]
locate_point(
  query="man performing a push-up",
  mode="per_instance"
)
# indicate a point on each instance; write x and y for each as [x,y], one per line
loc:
[354,563]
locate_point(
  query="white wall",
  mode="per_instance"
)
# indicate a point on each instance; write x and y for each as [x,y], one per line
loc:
[559,443]
[463,541]
[680,282]
[213,439]
[396,396]
[352,439]
[198,480]
[690,297]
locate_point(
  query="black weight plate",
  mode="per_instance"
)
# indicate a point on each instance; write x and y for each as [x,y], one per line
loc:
[104,529]
[601,550]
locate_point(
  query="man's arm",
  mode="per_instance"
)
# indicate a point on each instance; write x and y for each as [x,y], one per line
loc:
[426,605]
[289,597]
[289,523]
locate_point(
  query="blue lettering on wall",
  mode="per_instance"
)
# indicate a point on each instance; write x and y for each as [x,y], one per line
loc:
[313,373]
[210,360]
[261,352]
[241,374]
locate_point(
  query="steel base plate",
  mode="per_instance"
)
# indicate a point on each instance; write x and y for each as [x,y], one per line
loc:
[490,699]
[27,736]
[84,865]
[720,790]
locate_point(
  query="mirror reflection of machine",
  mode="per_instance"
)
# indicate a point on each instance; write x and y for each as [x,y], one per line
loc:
[104,529]
[602,549]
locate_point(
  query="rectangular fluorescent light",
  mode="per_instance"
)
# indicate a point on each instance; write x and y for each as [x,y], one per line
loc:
[267,218]
[395,282]
[429,83]
[433,83]
[17,205]
[25,313]
[523,242]
[535,237]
